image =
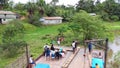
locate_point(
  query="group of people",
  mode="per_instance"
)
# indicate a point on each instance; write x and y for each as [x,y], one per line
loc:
[52,52]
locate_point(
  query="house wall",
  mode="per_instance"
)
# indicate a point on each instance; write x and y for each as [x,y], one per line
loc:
[5,21]
[6,18]
[58,21]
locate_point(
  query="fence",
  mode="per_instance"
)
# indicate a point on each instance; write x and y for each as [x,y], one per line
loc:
[21,62]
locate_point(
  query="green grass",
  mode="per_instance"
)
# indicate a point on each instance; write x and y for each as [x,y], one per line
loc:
[33,36]
[112,26]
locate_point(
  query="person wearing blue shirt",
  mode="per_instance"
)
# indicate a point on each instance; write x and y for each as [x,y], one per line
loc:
[90,47]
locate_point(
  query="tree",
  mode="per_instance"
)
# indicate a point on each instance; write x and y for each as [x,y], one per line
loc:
[65,12]
[86,5]
[41,5]
[19,6]
[108,10]
[3,4]
[62,30]
[88,26]
[50,10]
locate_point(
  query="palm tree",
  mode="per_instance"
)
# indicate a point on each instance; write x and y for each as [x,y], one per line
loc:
[41,5]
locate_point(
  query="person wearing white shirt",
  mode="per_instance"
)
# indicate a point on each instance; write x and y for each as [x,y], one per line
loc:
[73,46]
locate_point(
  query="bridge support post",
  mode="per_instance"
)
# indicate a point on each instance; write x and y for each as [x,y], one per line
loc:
[106,49]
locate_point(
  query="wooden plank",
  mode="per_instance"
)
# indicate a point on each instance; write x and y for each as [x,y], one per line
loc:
[66,64]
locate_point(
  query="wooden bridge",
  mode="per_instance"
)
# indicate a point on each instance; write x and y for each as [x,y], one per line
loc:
[76,60]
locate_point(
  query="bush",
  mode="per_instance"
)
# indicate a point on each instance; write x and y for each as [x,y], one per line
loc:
[34,20]
[12,38]
[114,18]
[11,49]
[105,16]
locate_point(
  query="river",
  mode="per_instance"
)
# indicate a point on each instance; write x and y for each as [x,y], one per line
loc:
[115,45]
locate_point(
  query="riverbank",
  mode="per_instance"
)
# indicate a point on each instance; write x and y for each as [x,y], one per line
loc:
[37,37]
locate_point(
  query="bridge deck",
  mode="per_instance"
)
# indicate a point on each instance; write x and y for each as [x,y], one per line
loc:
[78,62]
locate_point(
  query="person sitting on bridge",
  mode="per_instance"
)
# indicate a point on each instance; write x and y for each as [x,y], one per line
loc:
[31,61]
[100,55]
[97,66]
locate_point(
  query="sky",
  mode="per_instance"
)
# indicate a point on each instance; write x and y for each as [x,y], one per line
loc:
[61,2]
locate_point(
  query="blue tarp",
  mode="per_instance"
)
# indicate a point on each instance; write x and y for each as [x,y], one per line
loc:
[41,65]
[100,62]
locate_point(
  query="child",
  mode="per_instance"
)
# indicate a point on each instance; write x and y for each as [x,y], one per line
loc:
[97,66]
[31,61]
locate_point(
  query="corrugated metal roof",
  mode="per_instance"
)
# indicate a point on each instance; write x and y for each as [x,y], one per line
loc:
[50,18]
[6,12]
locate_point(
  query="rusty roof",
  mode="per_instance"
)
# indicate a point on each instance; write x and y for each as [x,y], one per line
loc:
[6,12]
[52,18]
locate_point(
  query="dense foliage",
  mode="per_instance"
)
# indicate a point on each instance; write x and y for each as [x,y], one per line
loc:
[89,26]
[12,39]
[81,25]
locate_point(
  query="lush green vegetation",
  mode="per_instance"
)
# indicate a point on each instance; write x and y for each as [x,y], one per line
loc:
[37,37]
[80,24]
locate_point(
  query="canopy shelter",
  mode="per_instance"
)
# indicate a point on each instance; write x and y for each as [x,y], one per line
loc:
[41,65]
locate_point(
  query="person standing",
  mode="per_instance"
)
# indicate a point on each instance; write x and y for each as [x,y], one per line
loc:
[52,54]
[47,53]
[90,47]
[45,48]
[73,46]
[58,41]
[52,47]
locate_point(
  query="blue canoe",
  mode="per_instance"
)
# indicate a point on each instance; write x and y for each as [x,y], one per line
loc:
[100,62]
[41,65]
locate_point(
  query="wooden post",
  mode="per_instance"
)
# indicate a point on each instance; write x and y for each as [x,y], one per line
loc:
[106,49]
[27,55]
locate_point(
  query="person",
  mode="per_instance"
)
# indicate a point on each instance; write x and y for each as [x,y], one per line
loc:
[53,54]
[90,47]
[97,66]
[58,41]
[47,53]
[57,55]
[73,46]
[100,55]
[45,48]
[76,44]
[31,62]
[52,47]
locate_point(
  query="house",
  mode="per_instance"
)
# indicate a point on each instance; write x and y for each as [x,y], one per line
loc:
[51,20]
[6,16]
[92,14]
